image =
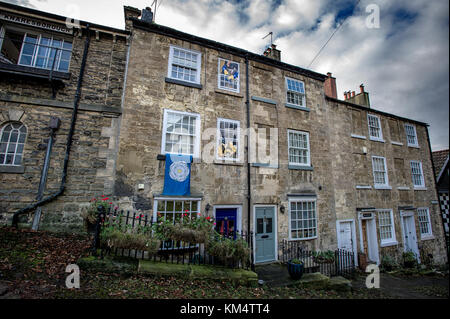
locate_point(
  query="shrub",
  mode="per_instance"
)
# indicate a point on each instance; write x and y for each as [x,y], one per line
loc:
[296,261]
[388,263]
[323,257]
[409,259]
[228,250]
[90,213]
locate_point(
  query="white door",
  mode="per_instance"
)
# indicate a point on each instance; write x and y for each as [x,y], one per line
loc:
[409,235]
[345,233]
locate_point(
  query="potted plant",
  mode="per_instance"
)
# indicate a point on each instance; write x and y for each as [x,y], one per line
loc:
[295,268]
[228,250]
[323,257]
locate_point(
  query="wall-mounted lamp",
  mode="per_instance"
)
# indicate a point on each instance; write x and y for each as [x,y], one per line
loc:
[282,209]
[208,207]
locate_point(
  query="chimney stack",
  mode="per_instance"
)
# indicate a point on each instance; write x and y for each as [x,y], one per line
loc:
[330,86]
[147,15]
[273,53]
[361,98]
[130,13]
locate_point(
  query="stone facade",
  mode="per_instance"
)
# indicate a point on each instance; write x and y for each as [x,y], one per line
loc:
[119,149]
[30,101]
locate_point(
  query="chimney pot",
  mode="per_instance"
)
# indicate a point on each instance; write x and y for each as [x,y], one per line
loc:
[345,95]
[362,88]
[329,74]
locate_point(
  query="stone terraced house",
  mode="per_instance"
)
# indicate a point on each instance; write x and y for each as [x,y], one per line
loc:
[273,149]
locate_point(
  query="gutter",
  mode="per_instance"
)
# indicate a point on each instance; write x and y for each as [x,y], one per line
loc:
[247,104]
[69,139]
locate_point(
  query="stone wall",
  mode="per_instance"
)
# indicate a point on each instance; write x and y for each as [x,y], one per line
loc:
[352,167]
[92,159]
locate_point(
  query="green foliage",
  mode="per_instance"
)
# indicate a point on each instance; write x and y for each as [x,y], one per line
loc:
[323,257]
[229,250]
[90,214]
[296,261]
[192,229]
[409,259]
[388,263]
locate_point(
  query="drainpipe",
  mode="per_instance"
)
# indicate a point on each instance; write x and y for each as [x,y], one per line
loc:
[247,103]
[69,139]
[435,187]
[54,125]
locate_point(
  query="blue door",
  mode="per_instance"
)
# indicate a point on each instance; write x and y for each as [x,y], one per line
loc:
[265,234]
[226,221]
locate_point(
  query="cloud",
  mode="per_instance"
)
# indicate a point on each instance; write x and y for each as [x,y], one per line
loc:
[403,64]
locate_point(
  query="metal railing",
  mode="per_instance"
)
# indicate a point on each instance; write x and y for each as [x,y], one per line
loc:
[332,263]
[170,251]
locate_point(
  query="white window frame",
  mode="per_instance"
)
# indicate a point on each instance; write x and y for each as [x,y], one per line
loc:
[219,73]
[38,44]
[238,140]
[392,240]
[16,153]
[413,127]
[303,100]
[308,164]
[375,184]
[196,134]
[198,69]
[371,137]
[305,200]
[422,178]
[429,234]
[177,199]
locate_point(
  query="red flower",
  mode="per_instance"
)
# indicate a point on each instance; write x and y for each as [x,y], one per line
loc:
[102,195]
[106,198]
[208,218]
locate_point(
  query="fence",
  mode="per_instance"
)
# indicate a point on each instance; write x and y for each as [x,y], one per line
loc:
[333,263]
[170,251]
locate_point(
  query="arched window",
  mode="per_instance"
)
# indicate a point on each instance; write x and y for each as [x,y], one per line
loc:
[12,141]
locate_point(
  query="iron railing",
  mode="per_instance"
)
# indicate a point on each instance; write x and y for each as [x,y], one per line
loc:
[170,251]
[336,263]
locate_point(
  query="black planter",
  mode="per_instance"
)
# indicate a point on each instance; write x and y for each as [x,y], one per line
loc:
[295,270]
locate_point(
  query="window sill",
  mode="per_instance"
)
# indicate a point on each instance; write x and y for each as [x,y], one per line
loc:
[300,239]
[382,187]
[390,243]
[396,143]
[376,139]
[301,168]
[420,188]
[189,84]
[363,187]
[427,237]
[413,146]
[162,157]
[12,169]
[297,107]
[264,165]
[226,92]
[27,71]
[227,162]
[358,136]
[403,188]
[265,100]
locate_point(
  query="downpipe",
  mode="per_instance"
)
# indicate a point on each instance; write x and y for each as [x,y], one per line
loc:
[76,103]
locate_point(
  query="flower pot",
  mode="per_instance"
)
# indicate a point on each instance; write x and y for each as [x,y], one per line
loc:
[295,270]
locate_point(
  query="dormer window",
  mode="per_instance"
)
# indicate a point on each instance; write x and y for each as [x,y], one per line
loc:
[36,50]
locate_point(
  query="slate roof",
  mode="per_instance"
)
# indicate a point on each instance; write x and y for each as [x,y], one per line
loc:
[439,158]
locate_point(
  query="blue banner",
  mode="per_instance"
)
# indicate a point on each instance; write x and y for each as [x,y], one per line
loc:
[177,179]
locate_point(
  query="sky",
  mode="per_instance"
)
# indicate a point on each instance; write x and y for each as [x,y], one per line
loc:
[403,61]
